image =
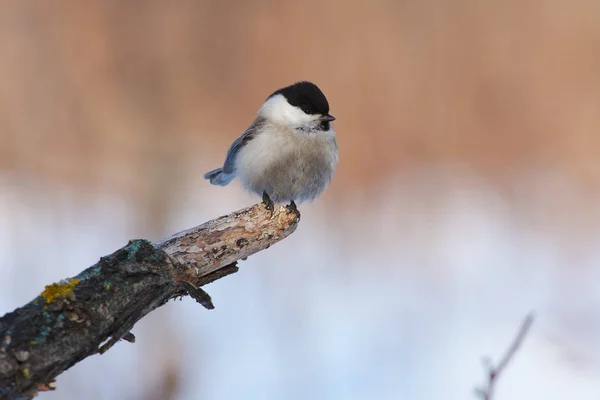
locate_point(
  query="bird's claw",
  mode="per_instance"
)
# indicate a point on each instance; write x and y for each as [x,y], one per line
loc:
[268,203]
[292,208]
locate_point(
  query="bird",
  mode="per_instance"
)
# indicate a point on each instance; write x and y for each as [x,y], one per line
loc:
[289,153]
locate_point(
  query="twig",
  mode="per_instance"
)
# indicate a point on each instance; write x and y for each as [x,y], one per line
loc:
[494,372]
[89,313]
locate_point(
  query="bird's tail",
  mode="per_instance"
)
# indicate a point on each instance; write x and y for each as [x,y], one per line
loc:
[218,177]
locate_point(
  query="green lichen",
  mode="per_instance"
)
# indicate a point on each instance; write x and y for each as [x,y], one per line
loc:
[38,340]
[89,273]
[140,250]
[49,321]
[59,290]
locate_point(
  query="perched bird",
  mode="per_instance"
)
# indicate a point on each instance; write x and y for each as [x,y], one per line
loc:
[289,152]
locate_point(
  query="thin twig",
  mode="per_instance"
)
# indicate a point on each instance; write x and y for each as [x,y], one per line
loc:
[494,372]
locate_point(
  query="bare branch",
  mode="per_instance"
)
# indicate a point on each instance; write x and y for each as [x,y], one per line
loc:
[87,314]
[494,372]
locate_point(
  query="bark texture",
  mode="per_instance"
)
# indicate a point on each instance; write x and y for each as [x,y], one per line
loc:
[88,313]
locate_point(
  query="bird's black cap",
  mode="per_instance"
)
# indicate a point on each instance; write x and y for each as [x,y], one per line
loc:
[306,96]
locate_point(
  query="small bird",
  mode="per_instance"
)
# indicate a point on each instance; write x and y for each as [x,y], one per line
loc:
[289,153]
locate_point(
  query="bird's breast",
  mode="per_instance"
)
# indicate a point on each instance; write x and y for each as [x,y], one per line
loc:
[288,164]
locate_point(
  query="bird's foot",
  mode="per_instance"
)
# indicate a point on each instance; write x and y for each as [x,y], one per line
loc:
[292,208]
[268,203]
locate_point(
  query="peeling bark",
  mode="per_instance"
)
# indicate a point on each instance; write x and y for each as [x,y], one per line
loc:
[87,314]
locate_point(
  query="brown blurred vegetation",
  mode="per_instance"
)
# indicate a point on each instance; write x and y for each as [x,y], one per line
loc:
[92,92]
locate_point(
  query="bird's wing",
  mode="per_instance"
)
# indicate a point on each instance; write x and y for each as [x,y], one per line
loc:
[241,141]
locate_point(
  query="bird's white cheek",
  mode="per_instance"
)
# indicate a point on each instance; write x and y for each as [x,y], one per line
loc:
[277,109]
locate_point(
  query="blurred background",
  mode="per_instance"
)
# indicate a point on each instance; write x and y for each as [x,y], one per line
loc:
[466,196]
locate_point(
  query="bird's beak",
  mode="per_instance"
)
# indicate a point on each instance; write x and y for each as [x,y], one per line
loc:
[328,117]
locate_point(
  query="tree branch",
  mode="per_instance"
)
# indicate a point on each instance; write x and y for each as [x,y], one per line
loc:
[494,372]
[87,314]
